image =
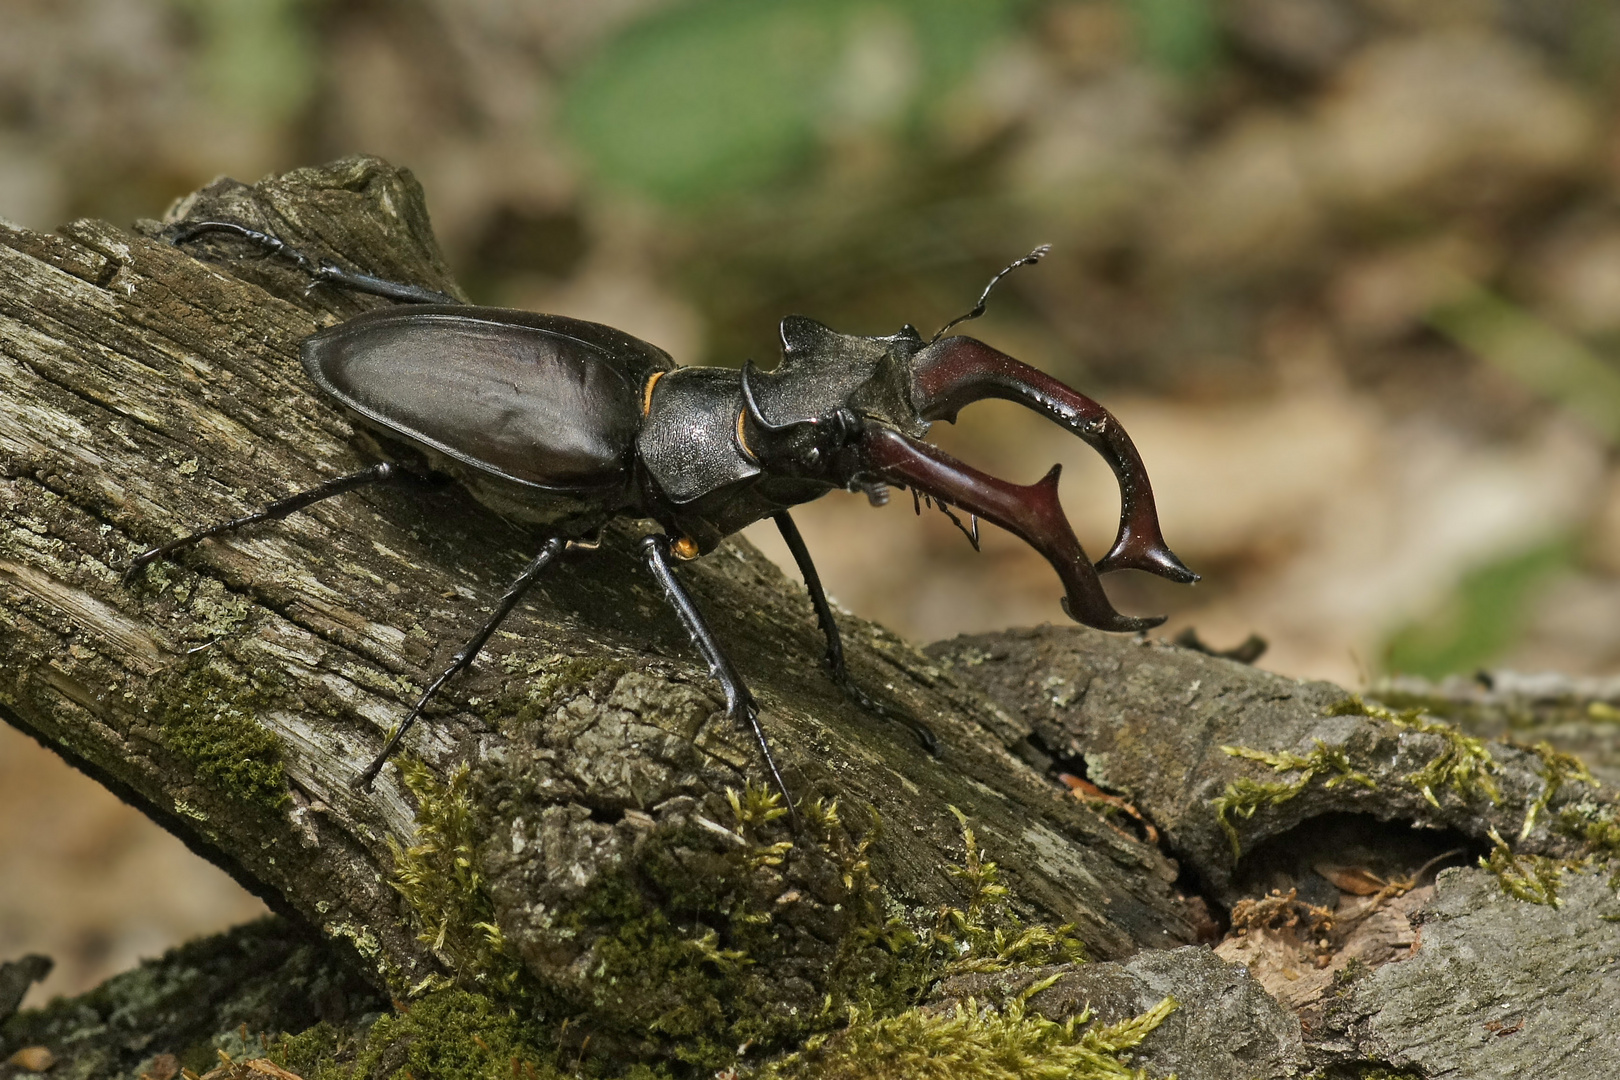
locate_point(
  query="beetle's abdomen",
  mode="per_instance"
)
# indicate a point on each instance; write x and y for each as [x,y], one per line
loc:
[530,398]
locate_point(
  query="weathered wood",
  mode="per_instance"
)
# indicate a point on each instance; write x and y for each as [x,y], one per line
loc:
[144,391]
[233,695]
[1150,721]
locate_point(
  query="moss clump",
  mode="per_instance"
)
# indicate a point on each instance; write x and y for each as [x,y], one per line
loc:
[1594,826]
[684,949]
[967,1042]
[1531,878]
[207,718]
[985,936]
[1557,769]
[1243,797]
[445,1033]
[676,937]
[687,946]
[1464,764]
[439,878]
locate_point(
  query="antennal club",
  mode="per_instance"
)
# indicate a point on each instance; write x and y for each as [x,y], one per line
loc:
[978,309]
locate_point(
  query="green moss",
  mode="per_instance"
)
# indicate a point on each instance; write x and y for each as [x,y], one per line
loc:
[1595,826]
[967,1042]
[207,718]
[1464,764]
[1531,878]
[1557,769]
[453,1033]
[684,947]
[1243,797]
[985,936]
[312,1054]
[439,878]
[675,938]
[446,1033]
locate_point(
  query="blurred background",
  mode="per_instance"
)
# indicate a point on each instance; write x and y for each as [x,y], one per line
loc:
[1347,270]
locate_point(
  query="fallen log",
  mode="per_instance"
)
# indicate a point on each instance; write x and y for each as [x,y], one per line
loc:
[577,855]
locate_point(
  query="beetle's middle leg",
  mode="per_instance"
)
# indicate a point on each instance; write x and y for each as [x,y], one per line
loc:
[835,644]
[740,704]
[464,658]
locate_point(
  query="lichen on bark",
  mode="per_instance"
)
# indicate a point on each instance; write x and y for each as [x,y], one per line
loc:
[579,868]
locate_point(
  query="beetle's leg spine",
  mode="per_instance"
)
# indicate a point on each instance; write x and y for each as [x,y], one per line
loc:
[740,704]
[464,658]
[835,644]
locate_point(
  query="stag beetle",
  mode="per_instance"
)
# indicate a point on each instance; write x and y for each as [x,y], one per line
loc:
[564,425]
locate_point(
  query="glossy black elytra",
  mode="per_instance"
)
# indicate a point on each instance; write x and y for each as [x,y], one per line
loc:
[565,424]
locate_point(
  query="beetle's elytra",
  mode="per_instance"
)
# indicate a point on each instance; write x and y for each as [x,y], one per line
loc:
[566,424]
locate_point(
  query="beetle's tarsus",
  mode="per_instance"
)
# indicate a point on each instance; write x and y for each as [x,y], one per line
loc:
[467,654]
[740,704]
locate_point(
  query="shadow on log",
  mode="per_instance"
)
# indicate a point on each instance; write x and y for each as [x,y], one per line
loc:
[577,838]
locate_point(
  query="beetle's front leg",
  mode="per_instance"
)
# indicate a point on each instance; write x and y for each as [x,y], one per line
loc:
[835,645]
[740,704]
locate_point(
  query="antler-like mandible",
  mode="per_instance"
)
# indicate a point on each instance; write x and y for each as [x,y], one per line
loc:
[1031,512]
[957,371]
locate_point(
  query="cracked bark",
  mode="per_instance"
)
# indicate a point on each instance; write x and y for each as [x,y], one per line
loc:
[146,390]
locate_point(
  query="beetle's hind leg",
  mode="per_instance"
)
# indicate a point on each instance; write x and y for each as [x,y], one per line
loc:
[835,645]
[464,658]
[320,272]
[384,472]
[740,704]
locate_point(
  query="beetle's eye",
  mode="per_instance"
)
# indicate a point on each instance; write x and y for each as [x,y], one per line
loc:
[812,456]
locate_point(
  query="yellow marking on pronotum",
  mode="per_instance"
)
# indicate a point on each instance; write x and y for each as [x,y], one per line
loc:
[742,441]
[646,391]
[685,548]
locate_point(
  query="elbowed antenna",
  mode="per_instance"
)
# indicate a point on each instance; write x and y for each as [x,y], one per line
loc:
[978,309]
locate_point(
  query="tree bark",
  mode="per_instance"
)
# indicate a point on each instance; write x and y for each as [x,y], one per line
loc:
[232,694]
[146,390]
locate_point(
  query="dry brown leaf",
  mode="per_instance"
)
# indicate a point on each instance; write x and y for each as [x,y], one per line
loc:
[32,1058]
[1087,792]
[252,1069]
[1354,880]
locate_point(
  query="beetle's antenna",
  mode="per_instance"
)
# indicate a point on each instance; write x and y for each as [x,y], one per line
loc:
[978,309]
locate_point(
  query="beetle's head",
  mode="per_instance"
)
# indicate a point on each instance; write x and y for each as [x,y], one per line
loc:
[852,411]
[805,448]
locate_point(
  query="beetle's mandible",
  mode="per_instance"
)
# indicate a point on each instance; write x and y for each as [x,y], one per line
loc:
[565,424]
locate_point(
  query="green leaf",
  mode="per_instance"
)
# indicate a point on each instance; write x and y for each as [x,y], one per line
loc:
[1181,37]
[1484,615]
[723,96]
